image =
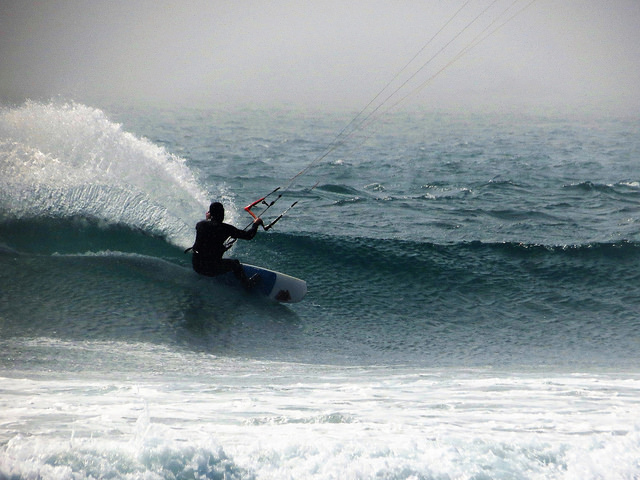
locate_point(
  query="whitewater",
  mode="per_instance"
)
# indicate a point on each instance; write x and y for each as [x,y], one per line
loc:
[472,309]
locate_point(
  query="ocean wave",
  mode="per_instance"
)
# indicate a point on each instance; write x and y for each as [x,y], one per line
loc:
[329,418]
[623,187]
[392,298]
[467,279]
[375,248]
[103,459]
[78,234]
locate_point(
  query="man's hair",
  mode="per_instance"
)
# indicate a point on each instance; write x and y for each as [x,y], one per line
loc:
[216,210]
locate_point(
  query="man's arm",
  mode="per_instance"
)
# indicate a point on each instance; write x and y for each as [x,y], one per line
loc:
[247,234]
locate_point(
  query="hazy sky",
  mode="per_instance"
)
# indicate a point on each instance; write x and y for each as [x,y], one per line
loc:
[557,53]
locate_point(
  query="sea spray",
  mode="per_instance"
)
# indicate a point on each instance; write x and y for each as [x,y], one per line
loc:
[69,160]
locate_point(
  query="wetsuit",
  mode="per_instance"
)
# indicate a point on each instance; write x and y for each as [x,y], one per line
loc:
[209,248]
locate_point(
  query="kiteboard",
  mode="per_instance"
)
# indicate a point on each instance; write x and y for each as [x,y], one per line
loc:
[275,285]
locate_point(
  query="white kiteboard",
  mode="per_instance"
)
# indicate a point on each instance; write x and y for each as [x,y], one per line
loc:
[275,285]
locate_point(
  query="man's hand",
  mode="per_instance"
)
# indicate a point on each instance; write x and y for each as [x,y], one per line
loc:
[258,221]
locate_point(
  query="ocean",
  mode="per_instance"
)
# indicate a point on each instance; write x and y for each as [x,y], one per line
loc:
[473,306]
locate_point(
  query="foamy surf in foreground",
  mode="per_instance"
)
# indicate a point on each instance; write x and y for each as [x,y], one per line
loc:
[208,417]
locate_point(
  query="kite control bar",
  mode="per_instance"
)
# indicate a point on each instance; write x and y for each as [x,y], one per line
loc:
[268,205]
[263,201]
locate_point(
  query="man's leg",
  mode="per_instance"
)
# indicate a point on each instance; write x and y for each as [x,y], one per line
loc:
[233,265]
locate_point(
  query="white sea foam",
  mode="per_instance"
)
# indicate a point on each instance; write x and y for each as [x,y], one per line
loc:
[253,419]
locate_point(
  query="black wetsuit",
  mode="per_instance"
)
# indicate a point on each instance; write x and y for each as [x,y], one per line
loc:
[209,248]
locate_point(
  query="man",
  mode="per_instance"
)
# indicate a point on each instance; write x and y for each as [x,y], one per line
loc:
[211,235]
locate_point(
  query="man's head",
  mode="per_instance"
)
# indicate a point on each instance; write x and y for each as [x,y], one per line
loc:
[216,212]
